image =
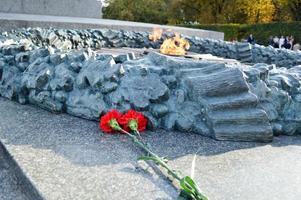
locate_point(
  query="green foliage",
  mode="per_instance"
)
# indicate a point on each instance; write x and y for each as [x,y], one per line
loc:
[153,11]
[261,32]
[294,7]
[203,11]
[263,18]
[231,30]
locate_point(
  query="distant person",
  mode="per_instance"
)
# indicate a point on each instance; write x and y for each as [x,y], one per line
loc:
[271,41]
[276,42]
[297,47]
[287,44]
[281,42]
[233,40]
[291,41]
[251,39]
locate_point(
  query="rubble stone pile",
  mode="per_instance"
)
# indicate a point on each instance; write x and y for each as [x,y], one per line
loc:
[62,71]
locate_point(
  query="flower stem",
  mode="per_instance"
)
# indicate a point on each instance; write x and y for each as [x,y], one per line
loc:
[187,185]
[157,159]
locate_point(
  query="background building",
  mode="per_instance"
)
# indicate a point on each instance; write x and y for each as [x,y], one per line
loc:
[71,8]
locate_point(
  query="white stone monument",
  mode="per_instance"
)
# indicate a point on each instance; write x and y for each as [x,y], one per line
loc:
[70,8]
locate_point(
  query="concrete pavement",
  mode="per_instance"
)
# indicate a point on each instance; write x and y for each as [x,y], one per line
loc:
[69,158]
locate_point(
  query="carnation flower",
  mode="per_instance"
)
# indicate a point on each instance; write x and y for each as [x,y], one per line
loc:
[133,120]
[136,122]
[109,122]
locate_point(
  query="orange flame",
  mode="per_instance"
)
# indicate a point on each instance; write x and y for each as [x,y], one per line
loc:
[156,34]
[175,46]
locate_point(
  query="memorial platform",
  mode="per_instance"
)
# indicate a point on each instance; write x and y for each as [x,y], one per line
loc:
[65,157]
[11,21]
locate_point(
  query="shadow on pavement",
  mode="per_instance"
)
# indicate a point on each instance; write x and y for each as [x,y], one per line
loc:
[81,141]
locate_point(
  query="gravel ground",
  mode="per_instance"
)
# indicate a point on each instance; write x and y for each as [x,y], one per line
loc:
[69,158]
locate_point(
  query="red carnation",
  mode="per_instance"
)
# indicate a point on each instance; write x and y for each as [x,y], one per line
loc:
[109,122]
[133,120]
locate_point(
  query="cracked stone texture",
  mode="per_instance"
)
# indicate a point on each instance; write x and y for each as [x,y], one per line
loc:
[223,101]
[96,38]
[69,158]
[215,99]
[174,93]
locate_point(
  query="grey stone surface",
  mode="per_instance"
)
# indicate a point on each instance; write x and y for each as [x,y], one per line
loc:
[14,185]
[203,44]
[279,95]
[195,95]
[280,57]
[225,101]
[11,21]
[246,53]
[69,158]
[72,8]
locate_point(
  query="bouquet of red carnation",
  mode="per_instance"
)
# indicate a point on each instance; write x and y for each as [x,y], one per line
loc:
[131,124]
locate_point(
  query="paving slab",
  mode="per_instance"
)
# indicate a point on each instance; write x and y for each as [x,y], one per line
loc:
[69,158]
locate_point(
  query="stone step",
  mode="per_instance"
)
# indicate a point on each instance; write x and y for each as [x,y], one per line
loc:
[244,51]
[244,100]
[238,116]
[223,83]
[211,68]
[243,47]
[245,55]
[246,60]
[244,132]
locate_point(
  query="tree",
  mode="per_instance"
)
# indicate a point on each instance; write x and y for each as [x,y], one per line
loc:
[137,10]
[217,7]
[233,12]
[258,11]
[189,10]
[204,11]
[294,7]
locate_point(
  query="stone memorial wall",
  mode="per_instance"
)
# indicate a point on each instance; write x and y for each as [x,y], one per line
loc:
[58,71]
[258,54]
[96,38]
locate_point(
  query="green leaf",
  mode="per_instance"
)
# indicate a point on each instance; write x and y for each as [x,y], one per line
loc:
[190,187]
[186,185]
[181,198]
[184,196]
